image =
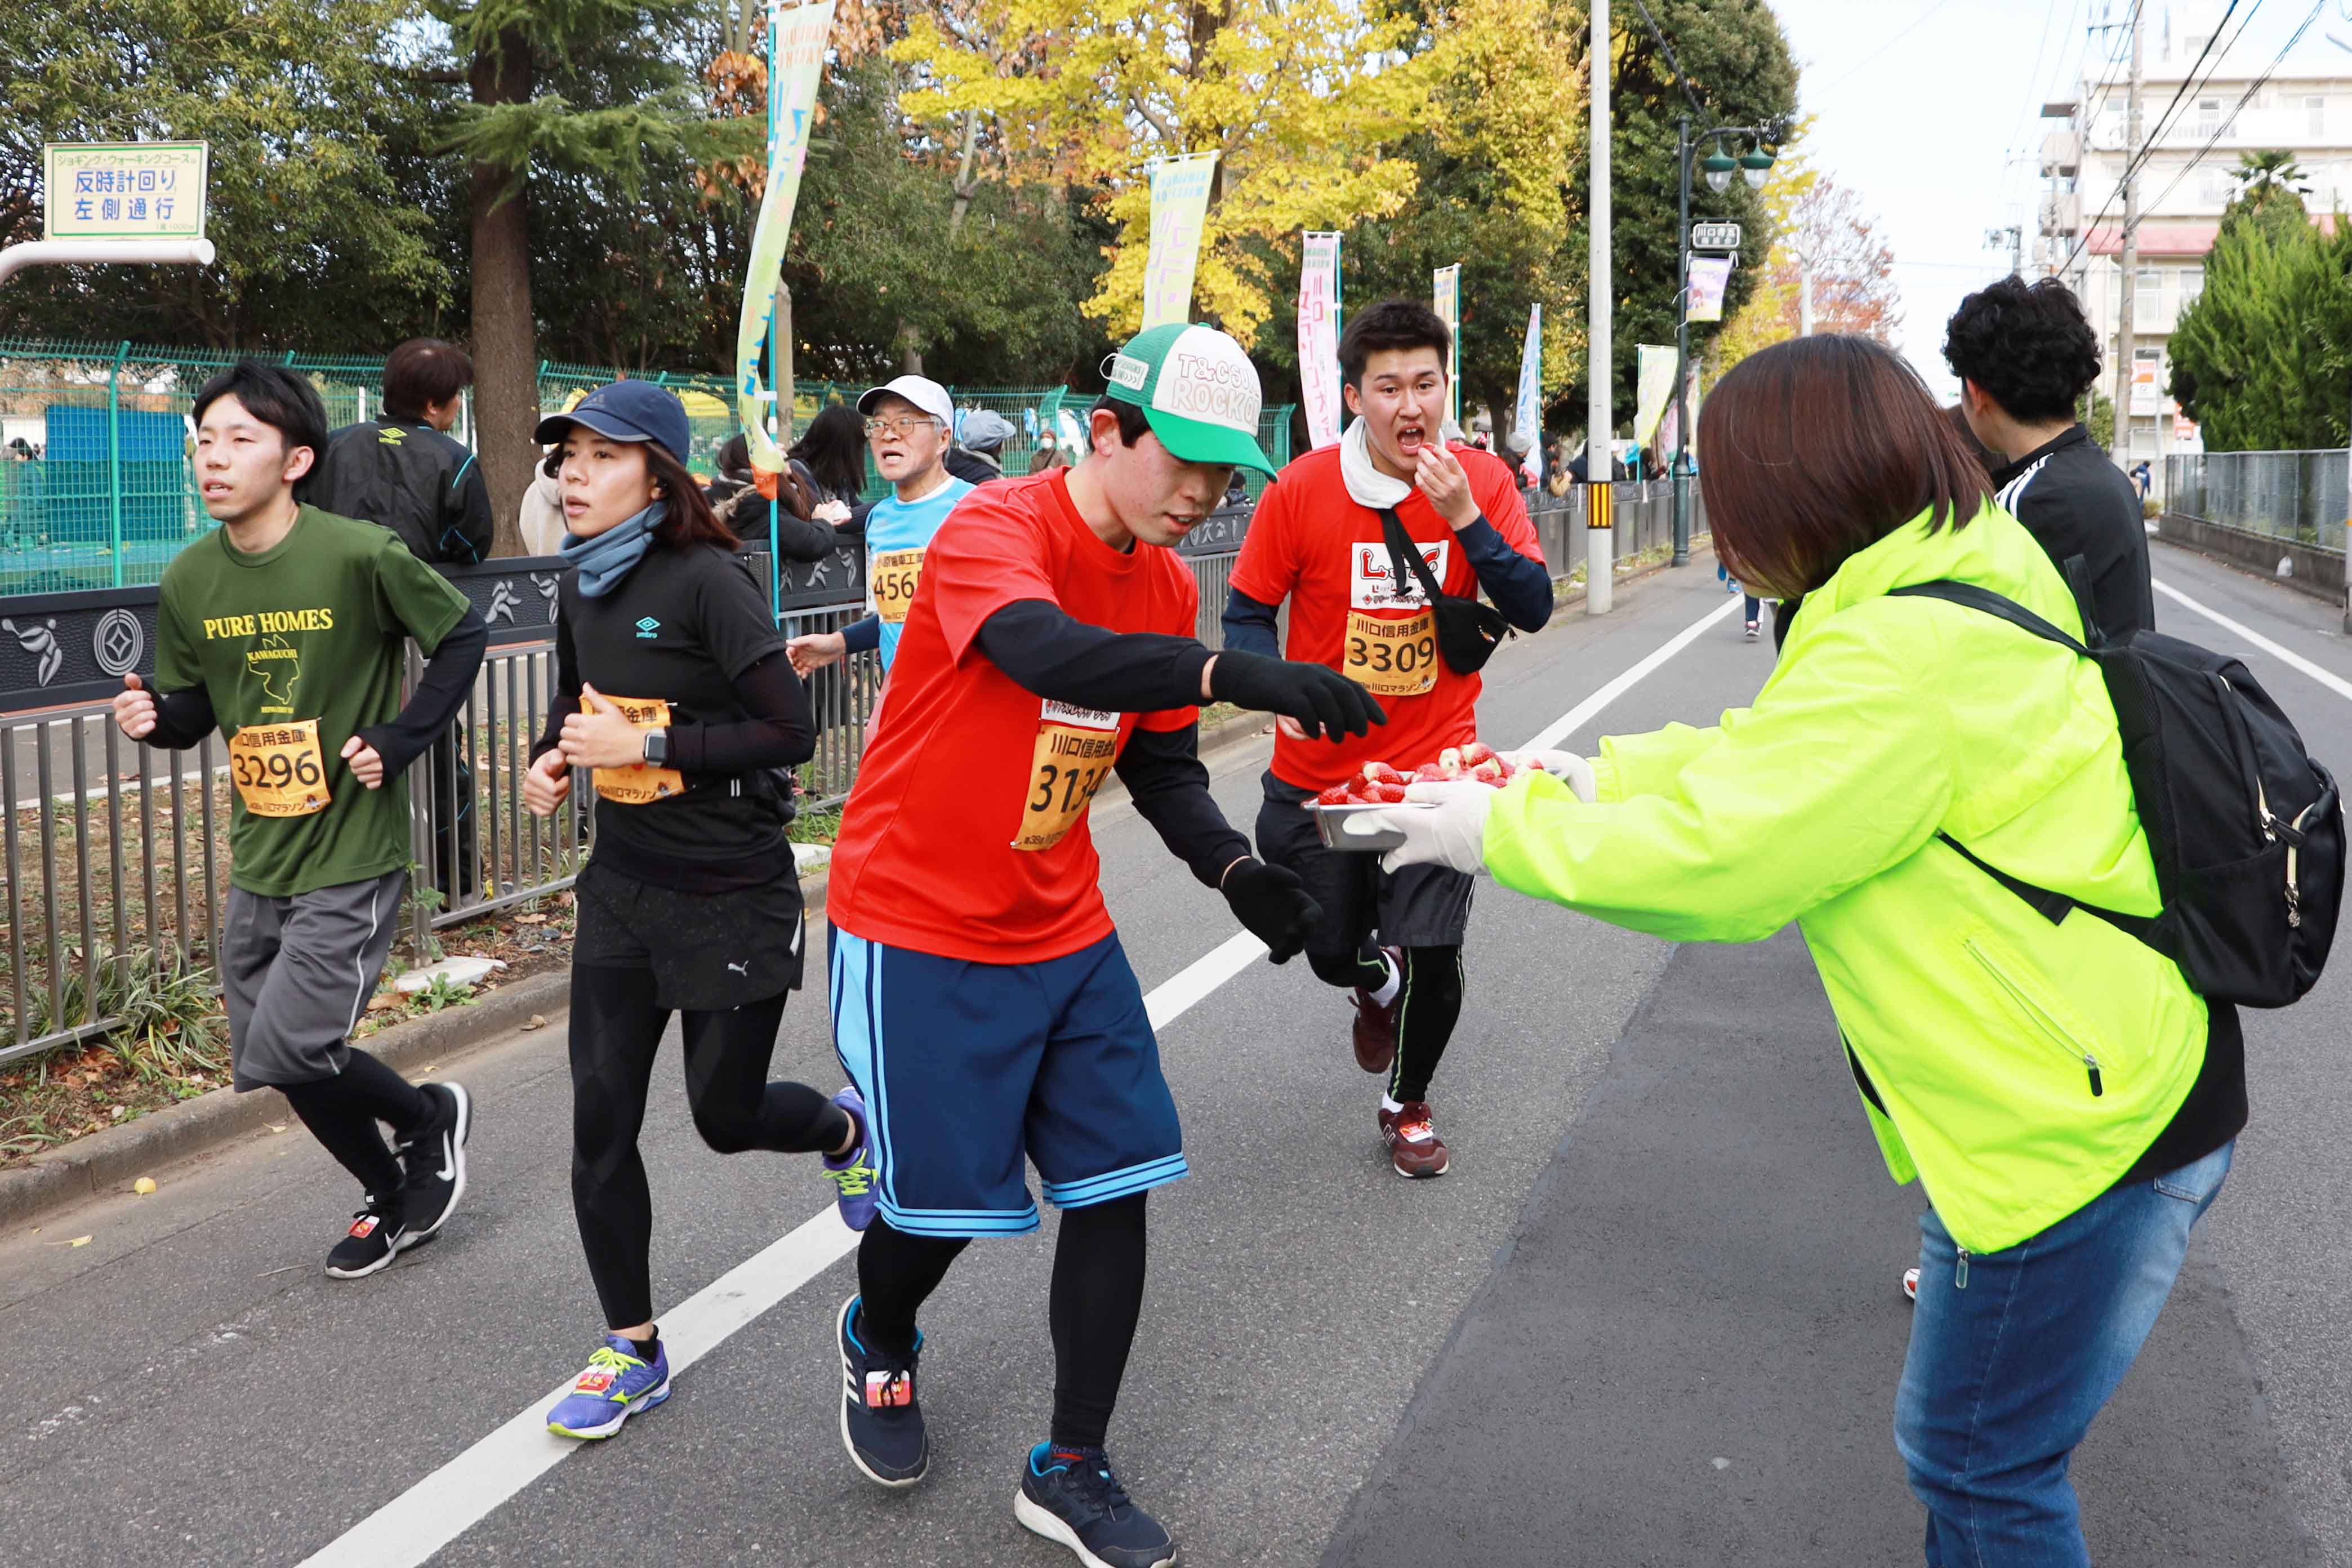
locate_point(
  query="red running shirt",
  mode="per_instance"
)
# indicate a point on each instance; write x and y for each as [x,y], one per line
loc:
[1311,543]
[967,835]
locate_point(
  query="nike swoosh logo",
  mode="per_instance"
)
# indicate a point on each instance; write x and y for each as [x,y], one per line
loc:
[448,1172]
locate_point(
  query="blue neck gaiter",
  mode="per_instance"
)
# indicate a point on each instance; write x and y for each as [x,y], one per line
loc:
[601,562]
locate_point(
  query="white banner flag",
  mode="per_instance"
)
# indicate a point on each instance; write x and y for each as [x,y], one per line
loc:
[1654,385]
[1180,207]
[1318,337]
[1527,418]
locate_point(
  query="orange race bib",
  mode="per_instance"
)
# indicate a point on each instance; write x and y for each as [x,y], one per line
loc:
[278,769]
[891,579]
[1392,658]
[1076,748]
[638,784]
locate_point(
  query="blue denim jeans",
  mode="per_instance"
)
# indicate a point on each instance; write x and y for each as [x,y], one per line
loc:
[2014,1353]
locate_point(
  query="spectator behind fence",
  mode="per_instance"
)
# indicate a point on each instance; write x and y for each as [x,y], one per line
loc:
[2025,355]
[978,455]
[402,471]
[541,522]
[739,503]
[2067,1101]
[830,458]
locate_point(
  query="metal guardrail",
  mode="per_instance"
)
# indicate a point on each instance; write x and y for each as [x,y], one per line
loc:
[119,853]
[2303,497]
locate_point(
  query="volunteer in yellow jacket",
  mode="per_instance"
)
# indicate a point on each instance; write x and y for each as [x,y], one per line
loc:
[2068,1103]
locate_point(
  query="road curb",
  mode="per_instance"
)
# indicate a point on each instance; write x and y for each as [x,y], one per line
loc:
[119,1155]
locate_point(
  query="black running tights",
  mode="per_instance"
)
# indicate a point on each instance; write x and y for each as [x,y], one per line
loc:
[1096,1300]
[342,1113]
[615,1030]
[1432,1006]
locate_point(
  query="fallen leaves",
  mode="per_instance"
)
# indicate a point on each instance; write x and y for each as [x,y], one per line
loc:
[79,1241]
[144,1186]
[537,1022]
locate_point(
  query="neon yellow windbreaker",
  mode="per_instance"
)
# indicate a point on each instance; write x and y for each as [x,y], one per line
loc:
[1982,1027]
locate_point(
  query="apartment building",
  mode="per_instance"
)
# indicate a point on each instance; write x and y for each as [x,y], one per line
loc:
[2185,184]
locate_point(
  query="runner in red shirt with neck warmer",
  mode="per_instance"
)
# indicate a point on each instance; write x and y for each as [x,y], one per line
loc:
[1316,540]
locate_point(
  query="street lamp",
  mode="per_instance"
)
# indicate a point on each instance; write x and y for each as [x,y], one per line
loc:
[1753,165]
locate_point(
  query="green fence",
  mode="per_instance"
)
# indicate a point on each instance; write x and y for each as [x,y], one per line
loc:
[96,489]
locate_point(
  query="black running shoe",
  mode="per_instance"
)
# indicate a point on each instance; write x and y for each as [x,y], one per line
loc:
[1069,1495]
[432,1164]
[881,1425]
[376,1236]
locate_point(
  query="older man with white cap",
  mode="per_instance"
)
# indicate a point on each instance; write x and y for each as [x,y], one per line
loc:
[907,422]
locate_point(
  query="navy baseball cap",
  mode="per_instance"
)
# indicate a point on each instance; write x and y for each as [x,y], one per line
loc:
[626,411]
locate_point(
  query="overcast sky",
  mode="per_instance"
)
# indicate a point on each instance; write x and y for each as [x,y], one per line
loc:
[1928,108]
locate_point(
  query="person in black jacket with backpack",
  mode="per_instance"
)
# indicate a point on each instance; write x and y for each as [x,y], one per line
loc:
[2025,355]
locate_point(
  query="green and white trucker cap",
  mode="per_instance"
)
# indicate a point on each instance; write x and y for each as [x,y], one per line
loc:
[1198,391]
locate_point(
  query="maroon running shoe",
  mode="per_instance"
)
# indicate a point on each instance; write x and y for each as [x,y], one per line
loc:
[1414,1147]
[1376,1027]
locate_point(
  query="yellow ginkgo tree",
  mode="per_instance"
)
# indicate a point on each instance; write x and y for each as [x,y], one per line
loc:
[1303,100]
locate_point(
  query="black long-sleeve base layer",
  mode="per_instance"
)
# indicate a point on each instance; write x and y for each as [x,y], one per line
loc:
[1096,1302]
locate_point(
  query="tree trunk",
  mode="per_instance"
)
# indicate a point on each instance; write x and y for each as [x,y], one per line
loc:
[505,355]
[910,350]
[965,186]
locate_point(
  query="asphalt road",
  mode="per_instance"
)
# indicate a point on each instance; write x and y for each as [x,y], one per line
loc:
[1664,1243]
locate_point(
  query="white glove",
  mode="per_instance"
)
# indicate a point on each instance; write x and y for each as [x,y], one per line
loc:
[1454,835]
[1566,766]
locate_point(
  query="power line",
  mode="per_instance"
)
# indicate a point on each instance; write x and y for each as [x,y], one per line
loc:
[2147,150]
[2226,121]
[2260,82]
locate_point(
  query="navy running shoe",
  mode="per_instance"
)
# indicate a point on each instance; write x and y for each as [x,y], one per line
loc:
[853,1175]
[1069,1495]
[618,1384]
[881,1425]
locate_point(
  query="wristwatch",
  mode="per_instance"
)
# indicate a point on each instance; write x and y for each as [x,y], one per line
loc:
[657,747]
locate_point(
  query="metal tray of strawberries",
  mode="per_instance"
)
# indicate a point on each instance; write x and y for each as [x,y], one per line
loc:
[1343,828]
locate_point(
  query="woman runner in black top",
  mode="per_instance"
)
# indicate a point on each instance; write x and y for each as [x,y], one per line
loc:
[673,689]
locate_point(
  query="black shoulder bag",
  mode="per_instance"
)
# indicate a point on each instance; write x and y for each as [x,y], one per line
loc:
[1468,632]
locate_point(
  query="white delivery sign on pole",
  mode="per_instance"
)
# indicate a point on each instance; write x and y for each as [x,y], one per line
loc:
[114,202]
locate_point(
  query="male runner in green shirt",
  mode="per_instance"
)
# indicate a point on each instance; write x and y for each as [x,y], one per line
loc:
[284,629]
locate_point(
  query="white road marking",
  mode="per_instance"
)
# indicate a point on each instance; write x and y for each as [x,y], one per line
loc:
[1584,713]
[437,1509]
[2334,683]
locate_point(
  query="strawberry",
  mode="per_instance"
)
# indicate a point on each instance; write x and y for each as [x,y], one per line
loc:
[1449,762]
[1381,773]
[1476,752]
[1336,795]
[1429,772]
[1489,772]
[1385,793]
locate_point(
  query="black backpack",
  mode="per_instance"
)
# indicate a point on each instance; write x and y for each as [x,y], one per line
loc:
[2247,831]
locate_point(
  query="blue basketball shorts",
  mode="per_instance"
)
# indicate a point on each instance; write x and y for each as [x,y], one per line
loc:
[968,1067]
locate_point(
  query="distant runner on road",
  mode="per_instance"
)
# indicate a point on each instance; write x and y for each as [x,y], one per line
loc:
[1319,540]
[980,998]
[284,629]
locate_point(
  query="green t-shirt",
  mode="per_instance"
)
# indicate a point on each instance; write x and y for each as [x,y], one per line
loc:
[309,630]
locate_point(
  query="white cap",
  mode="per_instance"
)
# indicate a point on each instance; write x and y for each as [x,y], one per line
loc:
[923,392]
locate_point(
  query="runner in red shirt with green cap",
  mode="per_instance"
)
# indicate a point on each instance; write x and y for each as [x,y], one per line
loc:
[981,1000]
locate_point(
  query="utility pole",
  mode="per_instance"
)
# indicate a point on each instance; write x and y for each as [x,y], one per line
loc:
[1600,454]
[1804,301]
[1682,519]
[2124,344]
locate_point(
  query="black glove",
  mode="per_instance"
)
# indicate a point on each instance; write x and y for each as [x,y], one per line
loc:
[1325,701]
[1272,903]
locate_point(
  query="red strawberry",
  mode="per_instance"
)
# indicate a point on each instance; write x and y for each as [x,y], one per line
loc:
[1489,772]
[1381,773]
[1385,793]
[1476,752]
[1336,795]
[1449,762]
[1429,772]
